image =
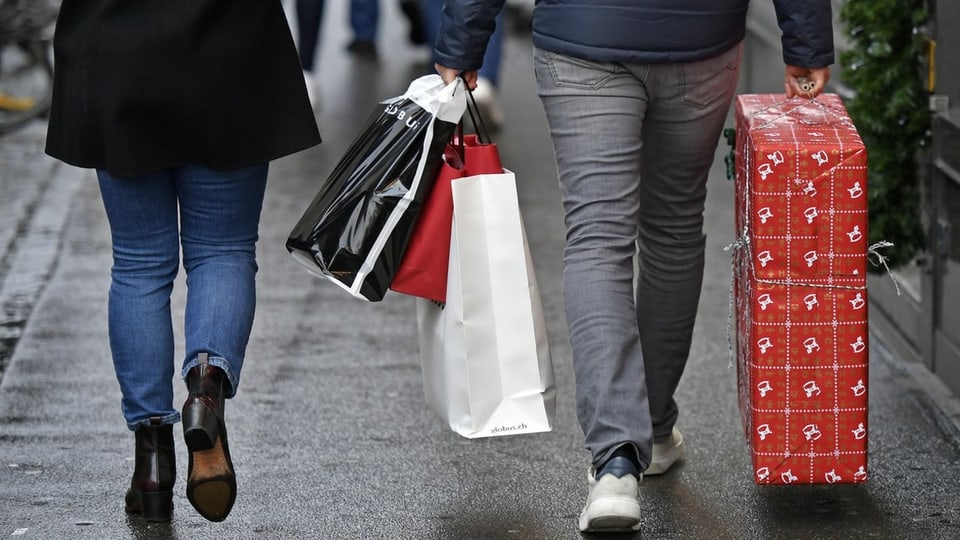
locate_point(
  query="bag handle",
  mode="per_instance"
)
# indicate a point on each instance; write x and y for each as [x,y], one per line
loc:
[475,117]
[460,147]
[483,135]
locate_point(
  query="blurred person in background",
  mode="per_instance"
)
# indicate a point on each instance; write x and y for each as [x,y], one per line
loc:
[179,106]
[636,93]
[365,20]
[309,19]
[364,23]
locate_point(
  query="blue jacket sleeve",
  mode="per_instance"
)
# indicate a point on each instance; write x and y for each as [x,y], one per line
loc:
[807,27]
[465,28]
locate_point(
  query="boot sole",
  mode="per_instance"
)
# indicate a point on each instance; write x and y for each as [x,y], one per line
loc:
[212,484]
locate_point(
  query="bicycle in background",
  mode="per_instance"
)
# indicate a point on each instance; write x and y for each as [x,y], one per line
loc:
[26,60]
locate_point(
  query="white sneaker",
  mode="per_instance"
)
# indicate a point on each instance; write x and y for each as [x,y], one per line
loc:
[486,97]
[665,454]
[612,504]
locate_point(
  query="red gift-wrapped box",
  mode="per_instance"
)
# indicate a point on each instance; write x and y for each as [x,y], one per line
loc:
[800,289]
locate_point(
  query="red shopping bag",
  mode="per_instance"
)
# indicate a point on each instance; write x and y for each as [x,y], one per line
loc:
[423,269]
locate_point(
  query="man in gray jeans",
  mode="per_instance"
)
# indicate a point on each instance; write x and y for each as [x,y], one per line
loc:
[636,93]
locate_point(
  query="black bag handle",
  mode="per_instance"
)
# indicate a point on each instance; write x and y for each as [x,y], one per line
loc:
[475,117]
[460,143]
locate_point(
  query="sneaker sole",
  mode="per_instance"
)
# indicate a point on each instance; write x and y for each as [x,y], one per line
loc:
[611,515]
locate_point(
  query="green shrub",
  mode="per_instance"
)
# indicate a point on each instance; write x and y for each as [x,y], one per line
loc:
[891,112]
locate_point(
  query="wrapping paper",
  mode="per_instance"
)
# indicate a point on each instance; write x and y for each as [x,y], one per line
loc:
[800,289]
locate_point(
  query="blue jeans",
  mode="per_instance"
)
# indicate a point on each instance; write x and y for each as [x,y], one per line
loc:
[634,145]
[364,18]
[213,216]
[490,70]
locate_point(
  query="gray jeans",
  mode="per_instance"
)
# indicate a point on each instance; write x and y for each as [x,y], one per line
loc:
[634,144]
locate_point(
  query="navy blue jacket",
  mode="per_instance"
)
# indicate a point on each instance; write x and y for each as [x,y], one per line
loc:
[637,31]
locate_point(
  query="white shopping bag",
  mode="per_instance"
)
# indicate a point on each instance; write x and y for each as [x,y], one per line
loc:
[485,356]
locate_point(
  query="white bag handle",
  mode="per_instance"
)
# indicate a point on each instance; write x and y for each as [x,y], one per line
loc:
[445,101]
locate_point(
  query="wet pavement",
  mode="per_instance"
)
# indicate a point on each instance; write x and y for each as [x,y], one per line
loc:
[330,435]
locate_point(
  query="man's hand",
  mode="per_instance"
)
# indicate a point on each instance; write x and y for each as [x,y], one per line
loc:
[816,79]
[449,75]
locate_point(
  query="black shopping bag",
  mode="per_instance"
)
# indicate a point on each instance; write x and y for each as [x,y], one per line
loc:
[357,228]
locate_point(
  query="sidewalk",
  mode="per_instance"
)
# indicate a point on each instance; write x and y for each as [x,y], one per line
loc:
[35,201]
[329,432]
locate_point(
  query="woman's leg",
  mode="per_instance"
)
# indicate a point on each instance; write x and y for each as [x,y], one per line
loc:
[220,218]
[219,222]
[142,213]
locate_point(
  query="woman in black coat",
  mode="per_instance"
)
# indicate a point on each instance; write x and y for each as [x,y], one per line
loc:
[179,105]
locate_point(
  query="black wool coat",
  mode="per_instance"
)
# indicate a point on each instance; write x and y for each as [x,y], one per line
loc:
[142,85]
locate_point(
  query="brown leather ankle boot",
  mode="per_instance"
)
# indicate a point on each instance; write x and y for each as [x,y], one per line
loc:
[154,472]
[211,482]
